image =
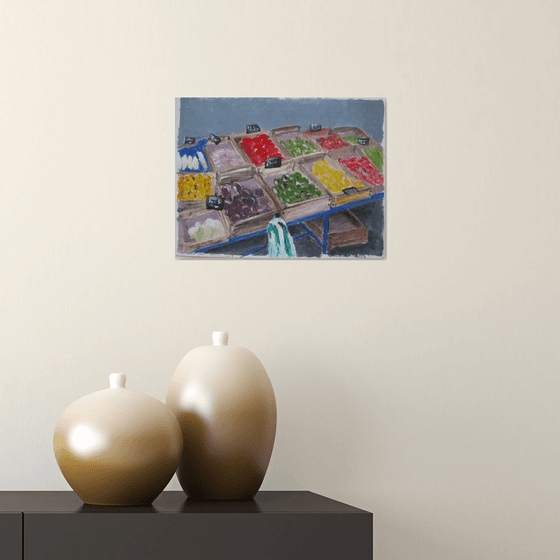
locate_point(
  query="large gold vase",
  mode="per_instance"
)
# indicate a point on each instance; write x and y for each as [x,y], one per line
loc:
[225,405]
[117,447]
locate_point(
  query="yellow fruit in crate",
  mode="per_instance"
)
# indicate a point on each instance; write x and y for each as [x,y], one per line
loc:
[194,186]
[333,179]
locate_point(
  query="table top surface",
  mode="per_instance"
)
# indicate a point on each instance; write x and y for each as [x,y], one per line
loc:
[265,502]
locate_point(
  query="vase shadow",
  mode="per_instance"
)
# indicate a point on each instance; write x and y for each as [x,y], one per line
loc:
[89,508]
[194,505]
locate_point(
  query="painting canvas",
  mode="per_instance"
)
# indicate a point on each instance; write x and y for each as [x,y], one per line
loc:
[280,178]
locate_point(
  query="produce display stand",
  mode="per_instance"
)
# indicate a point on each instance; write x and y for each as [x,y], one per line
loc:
[226,219]
[323,243]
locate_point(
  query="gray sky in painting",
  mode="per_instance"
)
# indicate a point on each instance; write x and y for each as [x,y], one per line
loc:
[201,116]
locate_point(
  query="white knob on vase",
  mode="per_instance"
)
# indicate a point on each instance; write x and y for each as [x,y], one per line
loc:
[220,338]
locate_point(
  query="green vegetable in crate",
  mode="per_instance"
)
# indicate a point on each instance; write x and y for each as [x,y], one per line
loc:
[294,188]
[299,147]
[375,155]
[207,230]
[352,139]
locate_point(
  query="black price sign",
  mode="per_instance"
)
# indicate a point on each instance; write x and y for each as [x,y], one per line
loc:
[272,162]
[252,128]
[214,138]
[190,140]
[315,127]
[363,141]
[350,190]
[215,202]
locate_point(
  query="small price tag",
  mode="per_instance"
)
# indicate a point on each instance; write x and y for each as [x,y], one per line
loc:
[313,127]
[215,202]
[272,162]
[190,140]
[363,141]
[252,128]
[214,138]
[350,190]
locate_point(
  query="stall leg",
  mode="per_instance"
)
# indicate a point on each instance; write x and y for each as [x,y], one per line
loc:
[325,233]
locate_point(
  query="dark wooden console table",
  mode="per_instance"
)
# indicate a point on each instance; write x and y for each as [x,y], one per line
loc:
[273,526]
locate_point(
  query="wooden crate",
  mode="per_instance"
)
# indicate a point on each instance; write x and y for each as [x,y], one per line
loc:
[187,230]
[237,137]
[279,135]
[193,204]
[345,131]
[225,141]
[338,198]
[247,178]
[357,152]
[324,133]
[192,149]
[297,210]
[344,229]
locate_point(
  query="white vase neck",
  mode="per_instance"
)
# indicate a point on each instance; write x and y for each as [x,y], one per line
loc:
[117,381]
[220,338]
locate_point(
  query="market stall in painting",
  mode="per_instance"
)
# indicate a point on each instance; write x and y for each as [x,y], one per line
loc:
[304,189]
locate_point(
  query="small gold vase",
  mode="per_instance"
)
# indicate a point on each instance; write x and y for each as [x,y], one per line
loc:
[225,404]
[117,447]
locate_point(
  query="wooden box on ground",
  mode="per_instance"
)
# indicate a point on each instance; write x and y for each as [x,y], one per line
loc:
[347,189]
[224,156]
[288,134]
[344,230]
[296,210]
[247,202]
[371,176]
[199,228]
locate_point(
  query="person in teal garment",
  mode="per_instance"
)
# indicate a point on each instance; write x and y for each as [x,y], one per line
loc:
[280,242]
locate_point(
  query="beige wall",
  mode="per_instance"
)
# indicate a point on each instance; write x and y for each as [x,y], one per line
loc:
[423,387]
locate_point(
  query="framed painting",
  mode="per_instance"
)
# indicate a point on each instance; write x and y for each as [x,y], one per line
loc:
[280,178]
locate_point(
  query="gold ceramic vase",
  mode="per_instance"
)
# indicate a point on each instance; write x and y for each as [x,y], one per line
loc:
[226,408]
[117,447]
